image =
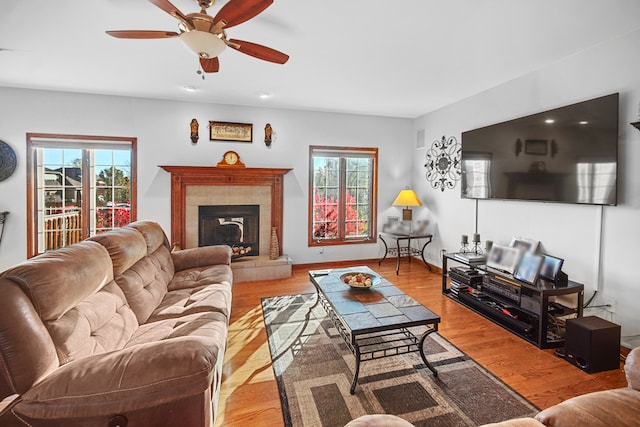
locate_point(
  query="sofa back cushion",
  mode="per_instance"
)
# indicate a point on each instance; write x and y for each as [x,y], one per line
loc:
[142,264]
[145,283]
[73,292]
[126,246]
[153,235]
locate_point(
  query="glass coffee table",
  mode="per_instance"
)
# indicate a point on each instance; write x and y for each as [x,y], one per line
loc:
[374,322]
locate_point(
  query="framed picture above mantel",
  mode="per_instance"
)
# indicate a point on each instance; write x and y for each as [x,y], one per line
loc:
[228,131]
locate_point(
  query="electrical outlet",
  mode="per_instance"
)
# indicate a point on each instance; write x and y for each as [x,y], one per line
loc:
[321,251]
[610,304]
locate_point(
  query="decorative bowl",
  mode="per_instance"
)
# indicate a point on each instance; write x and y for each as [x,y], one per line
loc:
[359,279]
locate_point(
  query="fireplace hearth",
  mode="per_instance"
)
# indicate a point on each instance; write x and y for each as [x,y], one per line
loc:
[237,226]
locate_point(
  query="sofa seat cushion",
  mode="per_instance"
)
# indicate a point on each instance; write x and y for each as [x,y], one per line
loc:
[182,302]
[202,276]
[165,362]
[212,324]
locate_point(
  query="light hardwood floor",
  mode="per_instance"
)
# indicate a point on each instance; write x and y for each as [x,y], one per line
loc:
[249,393]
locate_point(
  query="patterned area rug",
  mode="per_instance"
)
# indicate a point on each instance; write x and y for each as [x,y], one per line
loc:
[314,369]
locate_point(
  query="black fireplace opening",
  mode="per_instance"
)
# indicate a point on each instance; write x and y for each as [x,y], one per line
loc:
[235,225]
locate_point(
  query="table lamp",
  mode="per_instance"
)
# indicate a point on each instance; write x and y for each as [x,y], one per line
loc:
[407,198]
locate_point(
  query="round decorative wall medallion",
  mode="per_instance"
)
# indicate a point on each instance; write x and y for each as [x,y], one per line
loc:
[7,161]
[443,163]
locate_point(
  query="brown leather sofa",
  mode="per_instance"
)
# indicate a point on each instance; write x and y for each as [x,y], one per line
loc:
[618,407]
[113,331]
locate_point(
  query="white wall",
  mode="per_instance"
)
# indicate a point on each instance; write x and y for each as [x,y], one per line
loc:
[568,231]
[162,129]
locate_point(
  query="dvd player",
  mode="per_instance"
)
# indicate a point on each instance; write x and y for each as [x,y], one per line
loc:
[467,276]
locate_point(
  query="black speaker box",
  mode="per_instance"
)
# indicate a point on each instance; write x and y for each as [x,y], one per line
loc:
[592,344]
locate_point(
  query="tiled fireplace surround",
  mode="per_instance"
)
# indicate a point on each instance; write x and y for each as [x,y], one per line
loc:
[193,186]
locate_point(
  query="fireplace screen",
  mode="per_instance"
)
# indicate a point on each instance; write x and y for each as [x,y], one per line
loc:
[237,226]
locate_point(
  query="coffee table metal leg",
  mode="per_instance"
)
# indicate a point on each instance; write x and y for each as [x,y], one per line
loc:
[398,258]
[421,348]
[357,370]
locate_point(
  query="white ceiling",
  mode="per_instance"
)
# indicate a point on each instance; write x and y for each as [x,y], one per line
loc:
[399,58]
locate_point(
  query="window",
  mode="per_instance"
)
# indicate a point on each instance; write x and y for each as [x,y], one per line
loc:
[77,186]
[343,189]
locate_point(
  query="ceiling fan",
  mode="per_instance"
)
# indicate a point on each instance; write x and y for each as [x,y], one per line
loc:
[205,35]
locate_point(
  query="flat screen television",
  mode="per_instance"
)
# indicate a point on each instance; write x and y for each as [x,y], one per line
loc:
[567,155]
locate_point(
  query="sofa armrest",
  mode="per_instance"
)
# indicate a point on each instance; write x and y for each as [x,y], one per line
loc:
[516,422]
[201,257]
[141,376]
[632,368]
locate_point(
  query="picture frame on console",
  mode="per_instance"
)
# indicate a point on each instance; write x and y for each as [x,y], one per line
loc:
[529,268]
[524,244]
[551,267]
[503,258]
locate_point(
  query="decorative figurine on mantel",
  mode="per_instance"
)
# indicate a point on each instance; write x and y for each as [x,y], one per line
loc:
[268,133]
[194,131]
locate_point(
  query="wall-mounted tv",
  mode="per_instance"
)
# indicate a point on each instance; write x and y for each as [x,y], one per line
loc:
[567,155]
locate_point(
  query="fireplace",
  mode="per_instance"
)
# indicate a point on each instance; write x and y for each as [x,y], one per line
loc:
[235,225]
[195,186]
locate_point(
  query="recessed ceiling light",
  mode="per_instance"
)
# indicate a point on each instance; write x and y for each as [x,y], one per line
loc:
[584,122]
[265,95]
[549,121]
[190,88]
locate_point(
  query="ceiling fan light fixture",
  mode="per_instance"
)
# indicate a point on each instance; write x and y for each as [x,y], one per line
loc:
[203,44]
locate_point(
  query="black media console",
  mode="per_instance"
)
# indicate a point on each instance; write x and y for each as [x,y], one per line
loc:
[536,313]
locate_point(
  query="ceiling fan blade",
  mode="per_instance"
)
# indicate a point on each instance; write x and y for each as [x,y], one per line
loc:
[258,51]
[142,34]
[170,9]
[211,65]
[173,11]
[238,11]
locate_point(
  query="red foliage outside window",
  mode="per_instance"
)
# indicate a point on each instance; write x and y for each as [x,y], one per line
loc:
[325,217]
[114,217]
